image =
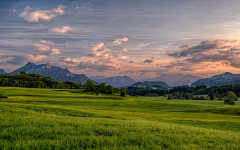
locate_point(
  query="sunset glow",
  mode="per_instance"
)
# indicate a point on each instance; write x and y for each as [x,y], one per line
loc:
[114,38]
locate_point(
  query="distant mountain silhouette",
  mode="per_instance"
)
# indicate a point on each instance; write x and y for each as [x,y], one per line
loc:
[117,81]
[174,80]
[226,78]
[2,71]
[55,73]
[97,77]
[151,84]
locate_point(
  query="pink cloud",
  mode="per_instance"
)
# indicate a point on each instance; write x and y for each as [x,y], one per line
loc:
[35,16]
[46,42]
[97,47]
[119,41]
[55,51]
[34,58]
[62,30]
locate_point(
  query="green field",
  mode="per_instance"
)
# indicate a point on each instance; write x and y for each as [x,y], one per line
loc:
[70,119]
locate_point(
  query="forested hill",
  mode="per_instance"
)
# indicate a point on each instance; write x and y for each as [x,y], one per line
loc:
[54,72]
[151,85]
[35,81]
[218,80]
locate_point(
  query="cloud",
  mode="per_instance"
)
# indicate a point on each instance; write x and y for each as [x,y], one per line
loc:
[124,50]
[97,47]
[14,10]
[183,46]
[55,51]
[43,49]
[96,66]
[34,58]
[131,61]
[119,41]
[69,60]
[148,61]
[207,54]
[158,72]
[46,42]
[146,44]
[62,30]
[128,71]
[35,16]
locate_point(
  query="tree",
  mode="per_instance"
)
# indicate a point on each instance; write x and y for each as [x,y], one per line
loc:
[170,96]
[123,93]
[187,96]
[23,72]
[178,95]
[211,96]
[102,88]
[230,99]
[110,89]
[89,86]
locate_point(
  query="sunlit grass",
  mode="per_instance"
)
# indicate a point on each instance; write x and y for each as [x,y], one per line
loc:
[69,119]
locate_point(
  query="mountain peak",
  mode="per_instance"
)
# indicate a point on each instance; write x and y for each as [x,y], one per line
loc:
[227,73]
[48,65]
[2,71]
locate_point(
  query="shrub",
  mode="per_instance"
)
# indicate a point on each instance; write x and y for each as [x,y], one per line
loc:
[123,93]
[3,95]
[231,98]
[170,96]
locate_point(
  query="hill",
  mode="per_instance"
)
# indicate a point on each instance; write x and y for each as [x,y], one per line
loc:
[34,81]
[55,73]
[174,80]
[118,81]
[151,85]
[226,78]
[2,71]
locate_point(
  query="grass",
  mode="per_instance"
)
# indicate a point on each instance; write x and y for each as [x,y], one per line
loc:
[70,119]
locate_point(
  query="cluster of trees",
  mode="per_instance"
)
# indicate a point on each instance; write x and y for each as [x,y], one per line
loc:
[35,81]
[102,88]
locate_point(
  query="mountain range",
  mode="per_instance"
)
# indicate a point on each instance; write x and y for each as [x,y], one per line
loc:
[115,81]
[174,80]
[2,71]
[151,85]
[226,78]
[61,74]
[55,73]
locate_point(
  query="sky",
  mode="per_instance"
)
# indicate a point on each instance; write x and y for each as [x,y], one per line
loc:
[137,38]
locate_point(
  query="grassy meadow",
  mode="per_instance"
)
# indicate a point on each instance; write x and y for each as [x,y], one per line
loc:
[71,119]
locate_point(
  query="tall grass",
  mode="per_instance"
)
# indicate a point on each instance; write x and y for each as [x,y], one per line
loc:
[67,119]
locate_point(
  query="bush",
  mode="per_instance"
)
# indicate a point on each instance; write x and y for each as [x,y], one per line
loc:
[199,97]
[3,95]
[182,98]
[231,98]
[170,96]
[123,93]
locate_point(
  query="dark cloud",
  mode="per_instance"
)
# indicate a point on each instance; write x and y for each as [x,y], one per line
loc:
[15,60]
[95,66]
[158,72]
[148,61]
[207,51]
[129,71]
[183,46]
[131,61]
